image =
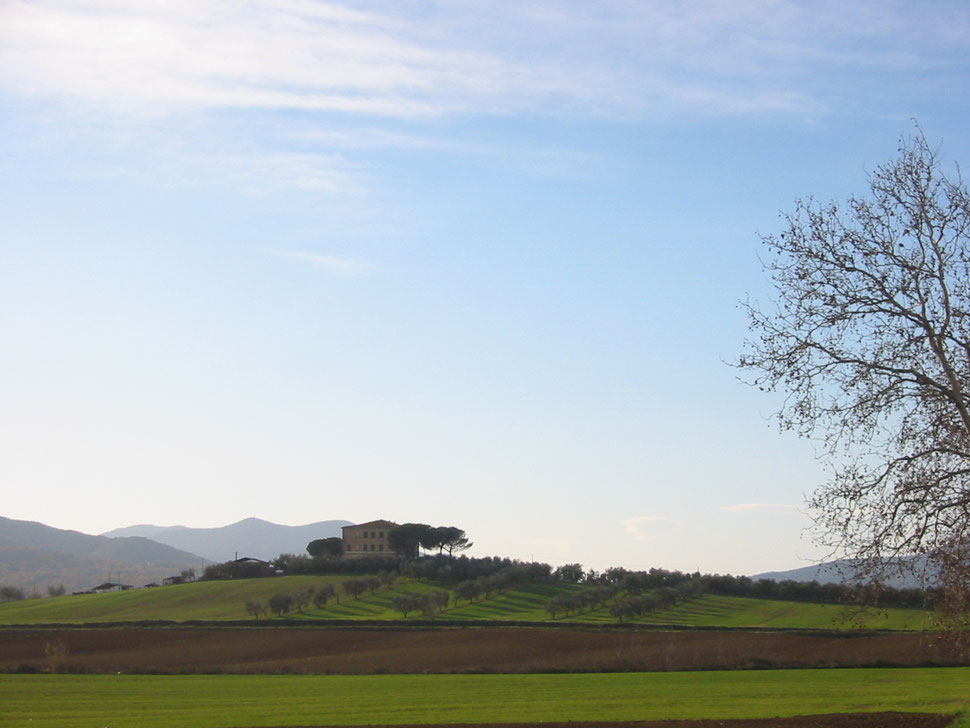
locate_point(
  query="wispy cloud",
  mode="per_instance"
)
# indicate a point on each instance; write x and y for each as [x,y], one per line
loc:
[331,263]
[276,94]
[406,59]
[258,54]
[743,507]
[643,528]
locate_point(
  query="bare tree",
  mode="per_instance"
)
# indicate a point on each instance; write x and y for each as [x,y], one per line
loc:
[869,340]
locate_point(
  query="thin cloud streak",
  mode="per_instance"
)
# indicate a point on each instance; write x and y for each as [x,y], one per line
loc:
[332,263]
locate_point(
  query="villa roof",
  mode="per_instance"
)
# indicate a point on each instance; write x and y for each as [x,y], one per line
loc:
[380,523]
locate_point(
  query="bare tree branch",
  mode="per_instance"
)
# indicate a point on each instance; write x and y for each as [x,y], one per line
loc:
[868,338]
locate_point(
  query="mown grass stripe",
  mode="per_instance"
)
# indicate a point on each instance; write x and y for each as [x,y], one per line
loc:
[56,701]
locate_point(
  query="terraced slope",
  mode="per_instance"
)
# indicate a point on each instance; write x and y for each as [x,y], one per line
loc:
[225,601]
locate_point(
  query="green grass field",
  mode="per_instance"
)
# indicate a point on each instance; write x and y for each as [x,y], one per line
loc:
[49,701]
[225,600]
[718,611]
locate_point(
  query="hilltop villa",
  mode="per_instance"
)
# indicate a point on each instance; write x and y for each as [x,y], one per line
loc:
[367,539]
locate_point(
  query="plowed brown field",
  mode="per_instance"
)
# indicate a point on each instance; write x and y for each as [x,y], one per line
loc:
[510,650]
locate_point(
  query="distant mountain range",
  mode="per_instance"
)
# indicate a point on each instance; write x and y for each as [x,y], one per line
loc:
[841,571]
[34,556]
[249,537]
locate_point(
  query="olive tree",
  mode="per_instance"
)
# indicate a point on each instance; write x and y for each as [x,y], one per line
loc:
[406,603]
[301,598]
[355,587]
[324,594]
[255,607]
[868,339]
[280,604]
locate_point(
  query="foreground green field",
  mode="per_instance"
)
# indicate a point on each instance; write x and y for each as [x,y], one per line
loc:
[225,600]
[54,701]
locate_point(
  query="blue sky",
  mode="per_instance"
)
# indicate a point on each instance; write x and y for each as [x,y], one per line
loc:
[460,263]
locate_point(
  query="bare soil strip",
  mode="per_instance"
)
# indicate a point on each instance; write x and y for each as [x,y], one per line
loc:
[499,650]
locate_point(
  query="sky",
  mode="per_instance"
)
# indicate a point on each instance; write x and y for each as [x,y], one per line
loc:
[458,263]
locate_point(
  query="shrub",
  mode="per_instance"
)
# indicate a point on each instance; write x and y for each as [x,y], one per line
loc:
[11,594]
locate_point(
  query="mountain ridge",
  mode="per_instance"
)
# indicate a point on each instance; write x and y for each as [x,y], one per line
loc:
[910,573]
[34,556]
[249,537]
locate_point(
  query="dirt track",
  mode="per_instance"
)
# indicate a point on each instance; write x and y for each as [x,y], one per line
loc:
[835,720]
[514,650]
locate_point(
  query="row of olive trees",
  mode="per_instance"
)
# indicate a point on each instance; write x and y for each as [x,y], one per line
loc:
[280,604]
[633,603]
[485,586]
[15,593]
[463,568]
[471,589]
[300,599]
[580,601]
[428,604]
[371,584]
[637,582]
[482,587]
[633,606]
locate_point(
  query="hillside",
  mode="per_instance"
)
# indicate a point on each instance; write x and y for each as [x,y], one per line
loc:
[34,556]
[225,600]
[249,537]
